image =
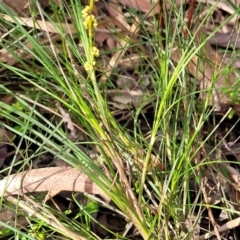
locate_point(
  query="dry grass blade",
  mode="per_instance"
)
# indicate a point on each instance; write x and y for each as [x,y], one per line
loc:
[51,219]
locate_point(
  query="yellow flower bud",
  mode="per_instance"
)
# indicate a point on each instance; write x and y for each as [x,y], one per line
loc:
[95,23]
[86,11]
[85,23]
[88,66]
[90,19]
[95,52]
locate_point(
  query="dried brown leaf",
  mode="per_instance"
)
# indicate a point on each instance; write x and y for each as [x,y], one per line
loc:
[21,7]
[46,179]
[145,6]
[11,58]
[226,40]
[206,66]
[42,25]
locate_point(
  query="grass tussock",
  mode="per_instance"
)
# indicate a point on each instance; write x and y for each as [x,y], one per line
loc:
[119,120]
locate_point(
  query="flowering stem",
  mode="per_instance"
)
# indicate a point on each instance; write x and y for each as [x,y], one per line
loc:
[92,52]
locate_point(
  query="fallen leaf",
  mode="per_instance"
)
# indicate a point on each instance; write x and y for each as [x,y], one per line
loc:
[47,179]
[230,39]
[124,98]
[145,6]
[42,25]
[208,66]
[21,7]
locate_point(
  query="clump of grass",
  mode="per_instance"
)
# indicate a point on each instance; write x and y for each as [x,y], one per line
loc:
[56,79]
[82,98]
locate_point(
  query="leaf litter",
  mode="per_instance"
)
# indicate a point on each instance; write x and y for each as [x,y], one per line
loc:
[116,34]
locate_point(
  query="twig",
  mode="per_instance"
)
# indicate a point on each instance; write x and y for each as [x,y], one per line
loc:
[227,226]
[210,214]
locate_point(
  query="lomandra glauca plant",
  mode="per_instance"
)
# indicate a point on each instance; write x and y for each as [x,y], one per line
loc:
[108,131]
